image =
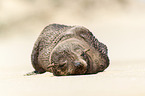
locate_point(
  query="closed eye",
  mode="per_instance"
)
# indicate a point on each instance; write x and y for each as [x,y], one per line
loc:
[62,65]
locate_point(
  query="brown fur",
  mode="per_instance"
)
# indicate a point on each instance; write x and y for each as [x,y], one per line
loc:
[68,50]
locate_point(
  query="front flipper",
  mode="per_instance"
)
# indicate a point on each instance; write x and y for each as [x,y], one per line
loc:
[33,73]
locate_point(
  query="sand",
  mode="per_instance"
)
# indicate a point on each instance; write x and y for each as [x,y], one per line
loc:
[120,79]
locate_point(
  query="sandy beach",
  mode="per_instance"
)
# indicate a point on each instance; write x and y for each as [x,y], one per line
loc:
[122,29]
[121,79]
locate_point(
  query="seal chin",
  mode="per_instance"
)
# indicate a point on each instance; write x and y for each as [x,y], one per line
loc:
[60,73]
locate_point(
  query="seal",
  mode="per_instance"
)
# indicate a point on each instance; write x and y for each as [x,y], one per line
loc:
[68,50]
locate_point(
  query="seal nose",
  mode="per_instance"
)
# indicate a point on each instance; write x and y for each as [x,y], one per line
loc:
[80,67]
[80,62]
[77,63]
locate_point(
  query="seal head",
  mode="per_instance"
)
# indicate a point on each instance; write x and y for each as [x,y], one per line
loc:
[66,59]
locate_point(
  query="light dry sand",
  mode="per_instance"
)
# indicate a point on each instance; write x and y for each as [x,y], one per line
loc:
[120,79]
[122,32]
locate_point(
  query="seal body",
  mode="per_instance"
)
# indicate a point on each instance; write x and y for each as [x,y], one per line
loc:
[68,50]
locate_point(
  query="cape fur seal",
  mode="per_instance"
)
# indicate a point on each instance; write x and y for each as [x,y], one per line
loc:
[68,50]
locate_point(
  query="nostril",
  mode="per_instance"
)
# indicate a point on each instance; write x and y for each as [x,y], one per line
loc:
[77,64]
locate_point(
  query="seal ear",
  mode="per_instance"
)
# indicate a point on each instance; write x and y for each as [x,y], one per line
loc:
[84,52]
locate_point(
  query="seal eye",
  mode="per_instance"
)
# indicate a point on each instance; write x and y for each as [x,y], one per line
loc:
[63,64]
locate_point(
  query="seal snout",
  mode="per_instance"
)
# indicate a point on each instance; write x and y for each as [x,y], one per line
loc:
[77,64]
[80,62]
[80,66]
